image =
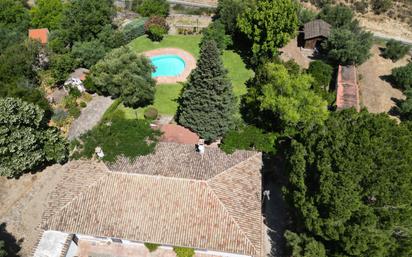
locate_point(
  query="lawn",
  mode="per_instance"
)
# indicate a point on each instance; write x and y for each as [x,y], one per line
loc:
[166,95]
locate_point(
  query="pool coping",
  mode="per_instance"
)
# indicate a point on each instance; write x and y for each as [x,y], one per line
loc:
[189,59]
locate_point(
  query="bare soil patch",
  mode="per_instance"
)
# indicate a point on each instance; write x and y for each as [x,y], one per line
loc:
[377,94]
[291,51]
[23,202]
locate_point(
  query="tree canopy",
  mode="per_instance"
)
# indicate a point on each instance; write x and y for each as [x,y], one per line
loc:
[83,19]
[149,8]
[228,12]
[402,76]
[279,100]
[207,103]
[47,14]
[122,73]
[26,141]
[14,15]
[350,186]
[269,25]
[347,47]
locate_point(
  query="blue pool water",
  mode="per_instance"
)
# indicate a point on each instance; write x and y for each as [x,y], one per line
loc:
[167,65]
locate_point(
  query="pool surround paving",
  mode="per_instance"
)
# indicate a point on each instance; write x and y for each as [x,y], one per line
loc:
[190,64]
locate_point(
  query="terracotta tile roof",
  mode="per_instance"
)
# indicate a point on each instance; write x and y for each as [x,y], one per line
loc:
[41,35]
[181,161]
[347,92]
[220,211]
[178,134]
[316,28]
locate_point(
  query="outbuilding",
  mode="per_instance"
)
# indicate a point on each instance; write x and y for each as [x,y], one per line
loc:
[315,32]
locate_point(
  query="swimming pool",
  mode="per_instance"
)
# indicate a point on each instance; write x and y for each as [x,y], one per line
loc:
[167,65]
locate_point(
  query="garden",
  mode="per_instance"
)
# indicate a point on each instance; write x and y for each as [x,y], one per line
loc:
[166,95]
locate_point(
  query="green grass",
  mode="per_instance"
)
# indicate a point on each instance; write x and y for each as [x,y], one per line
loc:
[166,95]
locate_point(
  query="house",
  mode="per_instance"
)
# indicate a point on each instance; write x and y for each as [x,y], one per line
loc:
[314,33]
[76,79]
[41,35]
[347,89]
[175,197]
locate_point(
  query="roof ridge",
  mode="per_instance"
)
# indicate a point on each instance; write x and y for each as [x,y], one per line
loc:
[123,173]
[232,167]
[231,217]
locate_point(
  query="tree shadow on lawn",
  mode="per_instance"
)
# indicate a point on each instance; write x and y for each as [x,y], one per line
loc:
[12,245]
[275,209]
[391,81]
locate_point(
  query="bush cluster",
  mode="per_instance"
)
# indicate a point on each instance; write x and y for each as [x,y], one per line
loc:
[248,138]
[184,252]
[151,247]
[156,27]
[402,76]
[395,50]
[150,8]
[134,29]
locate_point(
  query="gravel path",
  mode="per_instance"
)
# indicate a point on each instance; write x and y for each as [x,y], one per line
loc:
[90,116]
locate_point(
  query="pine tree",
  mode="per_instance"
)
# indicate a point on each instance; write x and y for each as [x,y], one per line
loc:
[207,103]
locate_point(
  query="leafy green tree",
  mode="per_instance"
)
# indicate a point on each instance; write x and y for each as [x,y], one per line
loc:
[83,20]
[347,47]
[86,54]
[216,32]
[207,103]
[405,106]
[402,76]
[3,252]
[110,37]
[14,15]
[150,8]
[269,24]
[228,11]
[349,185]
[61,66]
[381,6]
[305,15]
[322,73]
[156,27]
[47,14]
[280,101]
[395,50]
[304,246]
[26,141]
[122,73]
[339,16]
[9,37]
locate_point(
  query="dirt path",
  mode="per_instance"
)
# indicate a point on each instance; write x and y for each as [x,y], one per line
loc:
[376,93]
[23,202]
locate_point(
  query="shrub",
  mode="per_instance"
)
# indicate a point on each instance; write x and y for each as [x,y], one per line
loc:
[59,117]
[381,6]
[83,104]
[155,27]
[402,76]
[184,252]
[156,33]
[69,101]
[74,92]
[151,247]
[305,15]
[118,136]
[151,113]
[134,29]
[216,31]
[74,112]
[322,73]
[27,143]
[248,138]
[361,6]
[395,50]
[150,8]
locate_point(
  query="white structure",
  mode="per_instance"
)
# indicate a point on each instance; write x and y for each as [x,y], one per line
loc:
[76,79]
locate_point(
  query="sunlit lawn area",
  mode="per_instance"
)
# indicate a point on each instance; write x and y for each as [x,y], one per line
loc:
[166,95]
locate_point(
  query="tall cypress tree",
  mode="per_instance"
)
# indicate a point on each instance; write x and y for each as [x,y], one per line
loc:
[207,103]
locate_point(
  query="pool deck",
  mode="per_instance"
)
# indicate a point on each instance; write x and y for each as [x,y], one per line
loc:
[190,64]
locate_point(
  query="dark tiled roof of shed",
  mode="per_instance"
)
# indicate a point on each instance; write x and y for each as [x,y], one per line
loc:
[316,28]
